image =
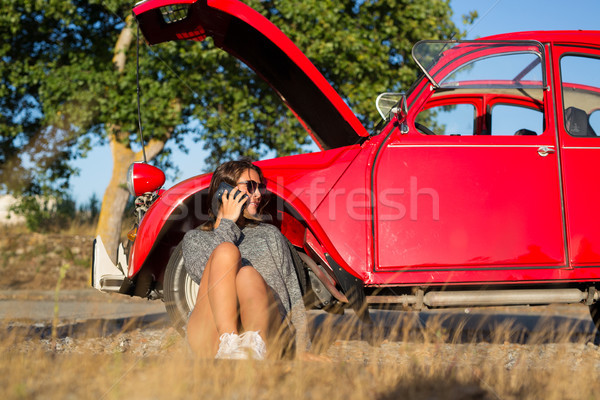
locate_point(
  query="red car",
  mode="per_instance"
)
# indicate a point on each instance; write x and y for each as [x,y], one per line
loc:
[476,189]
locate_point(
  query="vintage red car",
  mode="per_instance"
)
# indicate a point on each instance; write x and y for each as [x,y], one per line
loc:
[476,189]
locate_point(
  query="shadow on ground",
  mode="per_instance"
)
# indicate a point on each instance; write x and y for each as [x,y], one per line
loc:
[455,327]
[100,327]
[450,327]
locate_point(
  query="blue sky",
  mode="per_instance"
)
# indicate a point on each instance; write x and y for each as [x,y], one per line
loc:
[495,16]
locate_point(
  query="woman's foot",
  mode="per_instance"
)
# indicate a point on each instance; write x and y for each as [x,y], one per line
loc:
[253,344]
[230,348]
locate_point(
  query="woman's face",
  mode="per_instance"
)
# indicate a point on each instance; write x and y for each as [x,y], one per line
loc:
[254,198]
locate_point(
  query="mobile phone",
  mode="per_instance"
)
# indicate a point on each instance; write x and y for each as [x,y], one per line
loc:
[216,200]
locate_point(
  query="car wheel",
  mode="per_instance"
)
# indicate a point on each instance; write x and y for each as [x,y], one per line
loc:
[179,291]
[595,313]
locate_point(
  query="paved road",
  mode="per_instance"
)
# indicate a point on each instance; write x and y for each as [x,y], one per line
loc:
[518,324]
[74,305]
[82,308]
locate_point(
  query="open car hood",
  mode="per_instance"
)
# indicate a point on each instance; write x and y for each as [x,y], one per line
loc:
[246,34]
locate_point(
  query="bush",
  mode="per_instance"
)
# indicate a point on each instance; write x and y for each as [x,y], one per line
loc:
[45,214]
[88,212]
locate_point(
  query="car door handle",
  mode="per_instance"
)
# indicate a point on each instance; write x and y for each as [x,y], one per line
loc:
[545,150]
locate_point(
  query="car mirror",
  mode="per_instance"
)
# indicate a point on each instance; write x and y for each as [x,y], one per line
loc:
[391,103]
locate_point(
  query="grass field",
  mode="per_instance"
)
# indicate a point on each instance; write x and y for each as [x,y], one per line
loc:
[404,362]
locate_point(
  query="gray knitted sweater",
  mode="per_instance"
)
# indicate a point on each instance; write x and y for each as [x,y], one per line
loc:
[263,247]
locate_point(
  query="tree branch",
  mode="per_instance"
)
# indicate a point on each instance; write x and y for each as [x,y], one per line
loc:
[153,147]
[123,43]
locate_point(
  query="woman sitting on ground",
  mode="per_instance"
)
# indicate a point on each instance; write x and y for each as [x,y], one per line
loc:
[247,279]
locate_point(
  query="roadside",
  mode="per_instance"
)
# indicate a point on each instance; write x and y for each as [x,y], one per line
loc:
[32,261]
[99,323]
[73,305]
[87,319]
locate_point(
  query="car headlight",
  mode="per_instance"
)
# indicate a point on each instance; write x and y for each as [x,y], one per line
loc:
[142,178]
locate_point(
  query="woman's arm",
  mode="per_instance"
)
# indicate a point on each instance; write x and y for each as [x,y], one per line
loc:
[198,245]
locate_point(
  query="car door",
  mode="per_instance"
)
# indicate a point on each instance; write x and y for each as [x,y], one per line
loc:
[474,196]
[578,110]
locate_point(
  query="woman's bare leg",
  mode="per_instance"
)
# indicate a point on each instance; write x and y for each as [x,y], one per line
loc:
[254,299]
[258,308]
[222,268]
[217,286]
[202,334]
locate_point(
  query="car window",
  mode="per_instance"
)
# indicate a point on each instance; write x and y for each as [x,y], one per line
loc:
[515,120]
[507,70]
[455,119]
[475,76]
[580,82]
[595,120]
[481,63]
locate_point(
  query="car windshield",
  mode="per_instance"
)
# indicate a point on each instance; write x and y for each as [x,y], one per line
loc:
[485,64]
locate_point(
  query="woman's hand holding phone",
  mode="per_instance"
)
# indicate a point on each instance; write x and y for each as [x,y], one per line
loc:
[232,205]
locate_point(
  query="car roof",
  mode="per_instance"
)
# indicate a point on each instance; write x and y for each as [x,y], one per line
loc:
[572,36]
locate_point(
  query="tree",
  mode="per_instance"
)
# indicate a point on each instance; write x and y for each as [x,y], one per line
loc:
[68,75]
[363,47]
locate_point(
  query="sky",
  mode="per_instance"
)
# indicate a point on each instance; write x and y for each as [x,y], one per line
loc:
[495,16]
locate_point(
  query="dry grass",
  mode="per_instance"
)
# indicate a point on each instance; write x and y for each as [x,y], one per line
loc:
[79,227]
[408,361]
[407,358]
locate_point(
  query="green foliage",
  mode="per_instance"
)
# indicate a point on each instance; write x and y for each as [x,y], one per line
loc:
[59,87]
[88,212]
[362,47]
[45,214]
[55,213]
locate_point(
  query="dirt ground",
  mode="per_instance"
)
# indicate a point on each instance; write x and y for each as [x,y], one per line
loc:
[503,351]
[32,261]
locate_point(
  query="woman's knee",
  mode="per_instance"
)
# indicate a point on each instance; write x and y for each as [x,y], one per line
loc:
[225,252]
[226,248]
[250,283]
[247,275]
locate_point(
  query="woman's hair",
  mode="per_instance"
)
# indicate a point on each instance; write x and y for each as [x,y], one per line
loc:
[229,172]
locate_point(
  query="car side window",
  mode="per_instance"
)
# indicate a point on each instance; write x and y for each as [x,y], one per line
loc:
[478,87]
[454,120]
[595,120]
[516,120]
[504,70]
[580,82]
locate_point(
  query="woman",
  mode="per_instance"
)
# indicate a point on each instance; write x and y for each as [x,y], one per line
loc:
[247,279]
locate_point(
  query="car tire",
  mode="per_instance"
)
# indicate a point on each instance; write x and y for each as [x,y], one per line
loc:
[179,291]
[595,313]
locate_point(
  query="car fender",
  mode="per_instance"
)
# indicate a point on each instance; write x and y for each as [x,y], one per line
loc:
[174,213]
[302,211]
[169,209]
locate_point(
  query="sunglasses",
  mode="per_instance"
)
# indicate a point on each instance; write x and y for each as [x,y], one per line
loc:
[251,186]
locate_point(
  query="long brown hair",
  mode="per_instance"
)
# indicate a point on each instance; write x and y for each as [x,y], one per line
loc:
[229,172]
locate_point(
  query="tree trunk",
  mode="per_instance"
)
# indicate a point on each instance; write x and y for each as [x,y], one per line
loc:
[116,194]
[115,198]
